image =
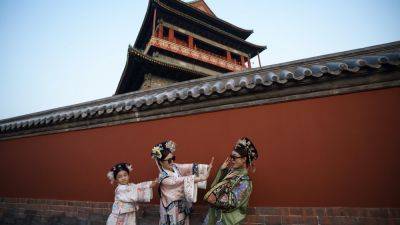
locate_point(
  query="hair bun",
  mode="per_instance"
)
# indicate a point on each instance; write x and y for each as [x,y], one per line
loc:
[245,147]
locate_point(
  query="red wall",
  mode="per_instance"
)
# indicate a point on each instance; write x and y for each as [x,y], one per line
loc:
[334,151]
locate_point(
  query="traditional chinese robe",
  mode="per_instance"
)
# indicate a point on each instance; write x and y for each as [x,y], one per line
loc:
[125,202]
[232,189]
[178,191]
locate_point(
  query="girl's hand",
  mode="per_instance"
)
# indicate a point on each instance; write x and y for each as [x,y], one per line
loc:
[226,163]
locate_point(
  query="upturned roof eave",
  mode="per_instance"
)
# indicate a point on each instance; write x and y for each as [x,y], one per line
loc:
[135,53]
[143,27]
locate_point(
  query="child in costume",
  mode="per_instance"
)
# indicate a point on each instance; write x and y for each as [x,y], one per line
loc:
[127,195]
[178,184]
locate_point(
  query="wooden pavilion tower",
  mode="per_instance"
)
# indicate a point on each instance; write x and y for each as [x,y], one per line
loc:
[180,41]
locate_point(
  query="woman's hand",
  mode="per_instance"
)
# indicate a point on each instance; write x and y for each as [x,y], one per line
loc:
[226,163]
[210,166]
[154,183]
[207,174]
[211,199]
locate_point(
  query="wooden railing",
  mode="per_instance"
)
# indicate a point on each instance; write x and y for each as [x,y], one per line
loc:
[182,48]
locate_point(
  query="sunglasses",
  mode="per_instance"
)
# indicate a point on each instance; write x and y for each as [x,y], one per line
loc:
[234,157]
[170,159]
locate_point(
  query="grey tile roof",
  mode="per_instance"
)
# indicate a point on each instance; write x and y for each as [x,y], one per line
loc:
[315,68]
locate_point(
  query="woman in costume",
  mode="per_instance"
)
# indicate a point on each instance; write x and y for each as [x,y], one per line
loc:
[178,184]
[127,195]
[230,192]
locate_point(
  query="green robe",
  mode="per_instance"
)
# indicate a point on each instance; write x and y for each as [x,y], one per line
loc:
[233,211]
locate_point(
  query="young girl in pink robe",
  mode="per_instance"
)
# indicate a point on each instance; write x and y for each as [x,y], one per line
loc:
[127,195]
[178,184]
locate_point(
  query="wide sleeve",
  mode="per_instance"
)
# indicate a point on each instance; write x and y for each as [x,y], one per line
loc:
[188,169]
[144,191]
[185,169]
[236,197]
[202,170]
[194,169]
[134,193]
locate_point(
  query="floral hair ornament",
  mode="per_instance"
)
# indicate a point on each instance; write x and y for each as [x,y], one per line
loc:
[112,174]
[170,145]
[156,152]
[158,149]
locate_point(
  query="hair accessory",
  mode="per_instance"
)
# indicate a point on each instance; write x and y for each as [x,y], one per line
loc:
[112,174]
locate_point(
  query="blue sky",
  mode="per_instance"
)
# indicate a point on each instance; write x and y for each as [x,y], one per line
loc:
[58,53]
